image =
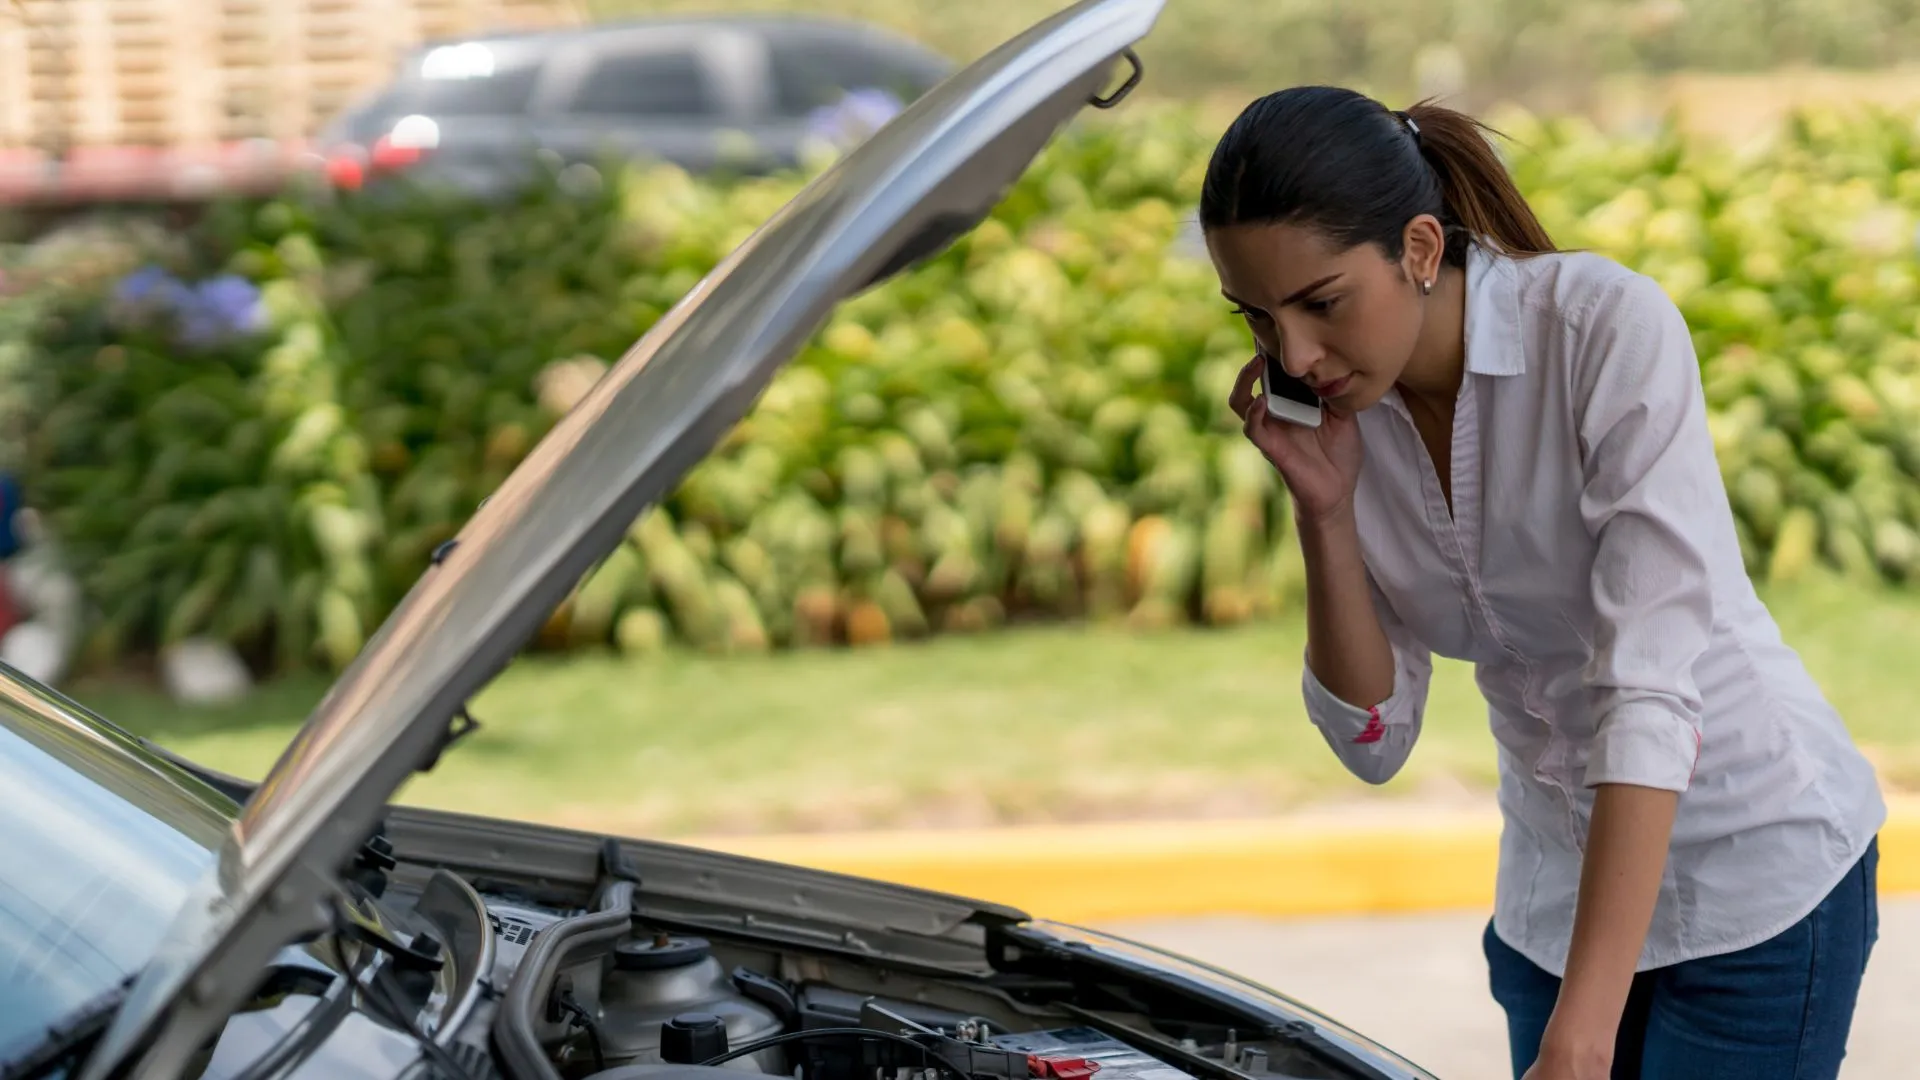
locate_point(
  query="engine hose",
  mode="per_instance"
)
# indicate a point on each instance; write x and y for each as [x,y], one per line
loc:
[513,1033]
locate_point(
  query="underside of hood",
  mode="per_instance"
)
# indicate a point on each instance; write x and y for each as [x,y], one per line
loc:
[931,174]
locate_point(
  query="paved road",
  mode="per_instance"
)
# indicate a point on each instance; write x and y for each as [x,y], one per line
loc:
[1418,983]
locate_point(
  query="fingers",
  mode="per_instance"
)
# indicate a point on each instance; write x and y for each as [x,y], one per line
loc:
[1243,387]
[1266,433]
[1271,436]
[1251,408]
[1253,417]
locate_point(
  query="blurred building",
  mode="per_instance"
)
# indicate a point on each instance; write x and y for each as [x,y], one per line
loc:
[102,95]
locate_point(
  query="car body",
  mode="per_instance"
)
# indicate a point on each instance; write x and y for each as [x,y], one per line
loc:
[743,92]
[159,920]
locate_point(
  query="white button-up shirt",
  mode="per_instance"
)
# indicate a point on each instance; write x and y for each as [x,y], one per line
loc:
[1589,570]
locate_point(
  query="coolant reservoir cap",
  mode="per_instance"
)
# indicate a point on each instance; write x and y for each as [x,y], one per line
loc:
[660,953]
[691,1038]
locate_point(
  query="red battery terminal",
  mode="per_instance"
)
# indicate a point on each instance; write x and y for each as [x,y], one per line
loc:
[1060,1068]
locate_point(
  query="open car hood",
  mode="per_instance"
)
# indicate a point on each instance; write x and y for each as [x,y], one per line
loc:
[928,177]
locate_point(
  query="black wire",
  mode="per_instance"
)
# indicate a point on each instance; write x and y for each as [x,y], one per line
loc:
[584,1019]
[318,1026]
[395,1014]
[926,1056]
[383,977]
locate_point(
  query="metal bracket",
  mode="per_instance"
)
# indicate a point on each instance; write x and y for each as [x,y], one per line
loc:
[1126,88]
[616,865]
[460,726]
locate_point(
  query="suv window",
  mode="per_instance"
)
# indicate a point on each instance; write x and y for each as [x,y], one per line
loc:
[503,93]
[810,74]
[650,82]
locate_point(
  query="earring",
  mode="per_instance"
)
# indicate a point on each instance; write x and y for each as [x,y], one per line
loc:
[1426,287]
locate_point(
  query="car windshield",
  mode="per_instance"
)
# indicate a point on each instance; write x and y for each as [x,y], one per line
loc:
[100,843]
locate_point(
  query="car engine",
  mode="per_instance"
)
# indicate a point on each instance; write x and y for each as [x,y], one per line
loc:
[649,1003]
[528,953]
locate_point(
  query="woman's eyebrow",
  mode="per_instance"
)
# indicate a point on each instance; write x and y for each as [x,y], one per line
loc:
[1294,298]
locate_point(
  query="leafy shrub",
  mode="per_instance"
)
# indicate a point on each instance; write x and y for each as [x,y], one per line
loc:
[1030,425]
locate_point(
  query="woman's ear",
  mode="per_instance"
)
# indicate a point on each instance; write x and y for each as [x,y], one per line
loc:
[1425,244]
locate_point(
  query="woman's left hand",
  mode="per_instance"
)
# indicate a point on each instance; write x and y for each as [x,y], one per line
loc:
[1619,886]
[1572,1057]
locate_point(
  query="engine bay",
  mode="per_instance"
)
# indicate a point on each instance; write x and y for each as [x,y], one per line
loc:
[658,1005]
[669,1007]
[690,965]
[601,993]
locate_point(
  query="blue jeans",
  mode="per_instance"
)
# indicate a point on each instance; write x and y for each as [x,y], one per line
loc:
[1779,1010]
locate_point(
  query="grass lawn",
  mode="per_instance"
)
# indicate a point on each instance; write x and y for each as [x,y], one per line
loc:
[1056,723]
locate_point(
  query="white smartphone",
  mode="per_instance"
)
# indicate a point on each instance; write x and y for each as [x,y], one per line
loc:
[1288,398]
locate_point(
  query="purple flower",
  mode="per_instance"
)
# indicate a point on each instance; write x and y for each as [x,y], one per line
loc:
[140,284]
[231,303]
[217,309]
[149,288]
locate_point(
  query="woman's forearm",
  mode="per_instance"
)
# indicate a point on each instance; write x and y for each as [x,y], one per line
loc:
[1619,885]
[1346,648]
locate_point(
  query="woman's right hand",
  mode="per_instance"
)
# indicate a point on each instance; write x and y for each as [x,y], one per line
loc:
[1320,465]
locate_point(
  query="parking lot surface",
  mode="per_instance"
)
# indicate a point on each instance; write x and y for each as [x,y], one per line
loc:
[1419,985]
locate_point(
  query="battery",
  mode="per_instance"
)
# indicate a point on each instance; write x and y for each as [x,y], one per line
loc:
[1117,1060]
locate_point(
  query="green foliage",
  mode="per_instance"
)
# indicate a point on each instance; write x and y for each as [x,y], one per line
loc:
[1796,269]
[1031,425]
[1512,48]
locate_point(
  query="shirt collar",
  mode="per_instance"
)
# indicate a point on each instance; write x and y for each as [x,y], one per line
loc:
[1492,331]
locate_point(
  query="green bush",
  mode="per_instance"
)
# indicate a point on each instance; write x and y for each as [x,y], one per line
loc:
[1496,48]
[1796,268]
[281,487]
[1031,425]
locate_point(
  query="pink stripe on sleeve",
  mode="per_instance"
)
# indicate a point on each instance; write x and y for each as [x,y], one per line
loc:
[1375,728]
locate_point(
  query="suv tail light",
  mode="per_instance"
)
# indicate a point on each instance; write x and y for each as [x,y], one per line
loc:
[391,156]
[346,167]
[406,144]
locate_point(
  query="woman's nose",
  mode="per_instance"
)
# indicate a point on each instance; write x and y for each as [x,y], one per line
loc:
[1299,356]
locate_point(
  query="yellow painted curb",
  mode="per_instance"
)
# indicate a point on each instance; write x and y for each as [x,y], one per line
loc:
[1276,868]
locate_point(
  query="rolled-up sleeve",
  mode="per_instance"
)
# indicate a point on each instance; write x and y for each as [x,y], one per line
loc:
[1653,499]
[1374,742]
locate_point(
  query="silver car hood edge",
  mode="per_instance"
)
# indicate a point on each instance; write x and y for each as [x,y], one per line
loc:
[928,176]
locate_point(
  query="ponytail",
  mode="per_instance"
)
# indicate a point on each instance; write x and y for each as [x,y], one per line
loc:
[1476,190]
[1341,163]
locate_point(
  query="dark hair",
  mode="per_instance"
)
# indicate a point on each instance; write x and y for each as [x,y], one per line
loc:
[1341,163]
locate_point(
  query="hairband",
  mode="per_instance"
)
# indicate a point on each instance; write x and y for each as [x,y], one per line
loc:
[1412,128]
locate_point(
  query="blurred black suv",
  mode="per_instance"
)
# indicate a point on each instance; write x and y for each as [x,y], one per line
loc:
[736,92]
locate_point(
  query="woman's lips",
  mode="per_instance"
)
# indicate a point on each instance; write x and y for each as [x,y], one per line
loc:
[1333,389]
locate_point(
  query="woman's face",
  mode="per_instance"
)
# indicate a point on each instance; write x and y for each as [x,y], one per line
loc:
[1344,322]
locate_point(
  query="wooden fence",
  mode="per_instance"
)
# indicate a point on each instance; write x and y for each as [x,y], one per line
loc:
[200,73]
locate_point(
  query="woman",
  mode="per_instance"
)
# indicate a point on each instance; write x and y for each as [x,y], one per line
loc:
[1514,469]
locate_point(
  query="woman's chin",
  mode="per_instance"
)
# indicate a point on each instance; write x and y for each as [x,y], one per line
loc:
[1355,396]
